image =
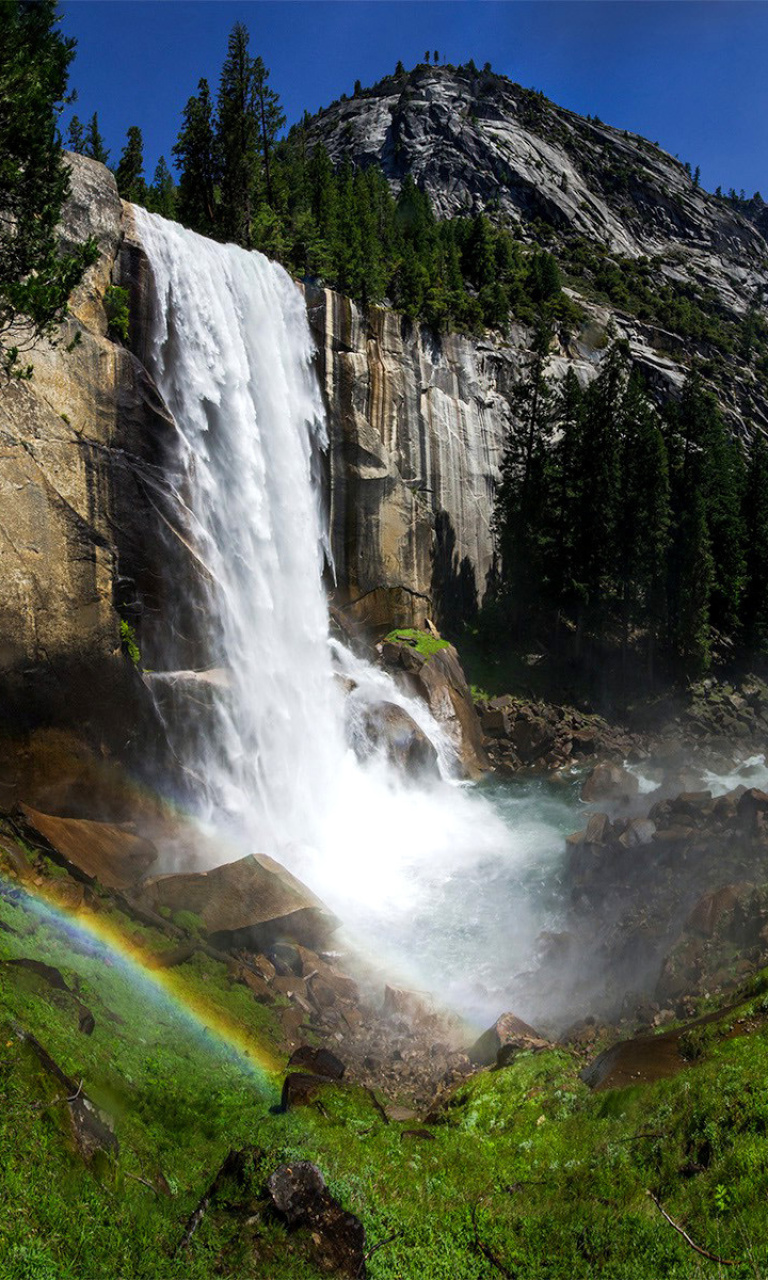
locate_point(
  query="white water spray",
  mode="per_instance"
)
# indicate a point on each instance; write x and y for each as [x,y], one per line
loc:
[232,353]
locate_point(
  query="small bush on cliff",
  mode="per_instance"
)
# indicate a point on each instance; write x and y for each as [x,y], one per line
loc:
[116,307]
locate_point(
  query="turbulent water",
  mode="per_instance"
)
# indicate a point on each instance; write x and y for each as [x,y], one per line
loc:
[444,885]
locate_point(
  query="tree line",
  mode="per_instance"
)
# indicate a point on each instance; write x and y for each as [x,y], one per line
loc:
[642,527]
[240,181]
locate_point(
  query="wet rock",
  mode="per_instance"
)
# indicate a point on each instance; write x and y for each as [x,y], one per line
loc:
[318,1062]
[298,1192]
[99,851]
[752,808]
[610,782]
[301,1088]
[248,904]
[438,678]
[410,1005]
[508,1035]
[388,730]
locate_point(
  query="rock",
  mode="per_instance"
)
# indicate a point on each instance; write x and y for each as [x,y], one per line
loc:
[90,522]
[388,730]
[639,832]
[532,737]
[98,851]
[246,904]
[509,1034]
[301,1088]
[299,1194]
[712,909]
[439,679]
[752,807]
[317,1061]
[610,782]
[409,1005]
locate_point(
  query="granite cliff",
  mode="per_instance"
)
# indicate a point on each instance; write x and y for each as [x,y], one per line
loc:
[91,533]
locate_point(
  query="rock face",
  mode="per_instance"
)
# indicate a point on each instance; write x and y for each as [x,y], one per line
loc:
[438,678]
[85,519]
[417,426]
[475,141]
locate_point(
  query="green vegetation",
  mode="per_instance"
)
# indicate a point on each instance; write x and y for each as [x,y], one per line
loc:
[36,280]
[526,1168]
[116,306]
[422,641]
[627,527]
[129,642]
[342,225]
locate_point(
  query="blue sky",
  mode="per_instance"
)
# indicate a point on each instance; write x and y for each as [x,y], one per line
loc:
[691,76]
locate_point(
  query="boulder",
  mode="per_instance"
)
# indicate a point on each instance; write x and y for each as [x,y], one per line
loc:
[438,678]
[610,782]
[250,904]
[100,851]
[387,729]
[317,1061]
[299,1194]
[508,1035]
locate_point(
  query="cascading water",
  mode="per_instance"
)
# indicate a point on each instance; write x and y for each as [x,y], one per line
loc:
[432,879]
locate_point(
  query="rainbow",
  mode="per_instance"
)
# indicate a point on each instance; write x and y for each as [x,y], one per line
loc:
[164,986]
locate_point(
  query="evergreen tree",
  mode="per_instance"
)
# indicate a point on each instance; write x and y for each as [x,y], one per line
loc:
[644,523]
[691,624]
[755,601]
[271,119]
[237,139]
[562,512]
[522,487]
[600,492]
[76,136]
[94,143]
[161,196]
[711,464]
[195,155]
[36,279]
[128,174]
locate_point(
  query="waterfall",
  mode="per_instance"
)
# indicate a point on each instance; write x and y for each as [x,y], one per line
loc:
[231,352]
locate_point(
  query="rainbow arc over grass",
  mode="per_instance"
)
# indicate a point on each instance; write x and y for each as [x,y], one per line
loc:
[162,986]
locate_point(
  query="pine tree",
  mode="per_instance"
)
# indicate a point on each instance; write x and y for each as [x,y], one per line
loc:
[561,512]
[237,139]
[712,465]
[599,491]
[36,279]
[76,136]
[128,174]
[94,143]
[195,155]
[521,491]
[691,624]
[644,524]
[755,601]
[161,196]
[271,119]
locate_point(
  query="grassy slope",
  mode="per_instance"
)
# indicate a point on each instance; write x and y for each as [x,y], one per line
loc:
[557,1177]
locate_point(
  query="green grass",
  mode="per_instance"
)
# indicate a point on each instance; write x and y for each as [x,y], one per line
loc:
[422,641]
[555,1177]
